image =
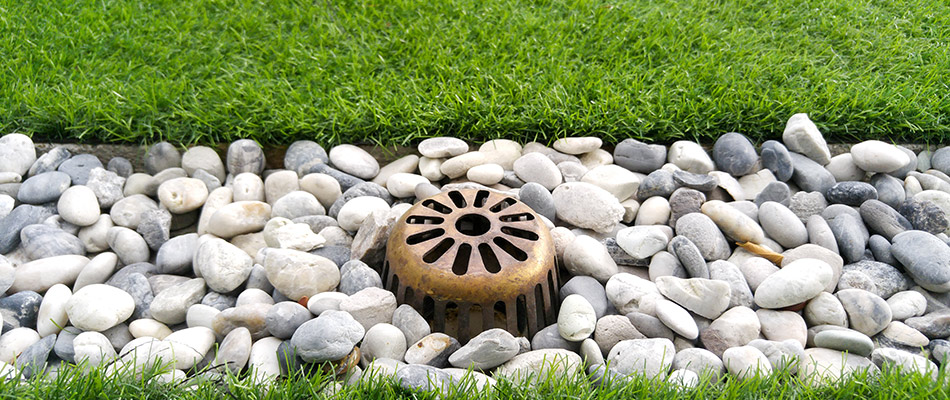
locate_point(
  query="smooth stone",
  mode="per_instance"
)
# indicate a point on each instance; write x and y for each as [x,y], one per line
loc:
[7,274]
[247,186]
[782,355]
[588,257]
[323,187]
[665,264]
[934,325]
[485,174]
[659,183]
[406,164]
[285,317]
[809,175]
[843,168]
[354,161]
[239,218]
[612,329]
[189,346]
[629,293]
[925,257]
[171,306]
[254,296]
[782,325]
[904,361]
[897,335]
[576,319]
[677,319]
[49,161]
[354,211]
[822,366]
[825,309]
[705,297]
[878,156]
[41,274]
[147,327]
[370,306]
[734,154]
[41,241]
[175,256]
[867,313]
[782,225]
[298,274]
[653,211]
[79,206]
[620,182]
[358,278]
[644,357]
[881,219]
[128,245]
[777,192]
[850,236]
[20,310]
[13,224]
[128,211]
[736,327]
[181,195]
[161,156]
[90,348]
[297,204]
[577,145]
[540,200]
[99,307]
[433,350]
[890,190]
[644,241]
[383,341]
[887,279]
[797,282]
[442,147]
[690,156]
[244,155]
[802,136]
[486,350]
[725,271]
[733,222]
[250,316]
[43,188]
[79,166]
[535,167]
[820,233]
[206,159]
[851,193]
[704,233]
[924,215]
[907,304]
[412,324]
[538,365]
[775,158]
[746,362]
[689,256]
[638,156]
[753,183]
[700,361]
[51,316]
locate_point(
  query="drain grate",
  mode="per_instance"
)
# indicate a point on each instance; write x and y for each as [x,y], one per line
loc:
[471,260]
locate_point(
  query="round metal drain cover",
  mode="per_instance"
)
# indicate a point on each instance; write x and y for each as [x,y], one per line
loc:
[471,260]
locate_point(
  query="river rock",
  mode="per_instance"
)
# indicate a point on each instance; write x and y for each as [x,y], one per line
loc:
[486,350]
[926,258]
[878,156]
[802,136]
[99,307]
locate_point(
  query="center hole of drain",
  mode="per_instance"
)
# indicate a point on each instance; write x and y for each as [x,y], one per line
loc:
[473,224]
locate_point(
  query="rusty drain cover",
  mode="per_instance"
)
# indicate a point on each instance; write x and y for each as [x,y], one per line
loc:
[471,260]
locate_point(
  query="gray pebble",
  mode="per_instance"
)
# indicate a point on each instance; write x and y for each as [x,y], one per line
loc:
[78,167]
[589,288]
[303,154]
[359,190]
[175,255]
[700,182]
[934,325]
[63,348]
[43,188]
[775,191]
[881,249]
[355,275]
[346,180]
[849,236]
[155,227]
[42,241]
[685,201]
[13,223]
[776,158]
[890,190]
[689,256]
[19,310]
[221,301]
[550,338]
[734,154]
[657,183]
[338,254]
[285,317]
[121,166]
[809,175]
[245,155]
[850,193]
[50,161]
[880,218]
[638,156]
[32,361]
[161,156]
[539,199]
[924,216]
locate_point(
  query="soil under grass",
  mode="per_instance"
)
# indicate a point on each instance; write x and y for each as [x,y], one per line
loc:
[71,384]
[392,72]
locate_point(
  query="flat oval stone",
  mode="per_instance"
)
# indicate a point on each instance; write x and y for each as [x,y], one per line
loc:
[40,275]
[486,350]
[851,193]
[535,167]
[868,313]
[677,319]
[204,158]
[442,147]
[925,257]
[878,156]
[638,156]
[354,161]
[99,307]
[297,204]
[733,222]
[250,316]
[298,274]
[43,241]
[238,218]
[43,188]
[797,282]
[809,175]
[128,211]
[782,225]
[647,357]
[690,156]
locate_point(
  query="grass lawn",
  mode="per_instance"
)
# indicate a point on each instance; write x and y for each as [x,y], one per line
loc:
[74,385]
[395,71]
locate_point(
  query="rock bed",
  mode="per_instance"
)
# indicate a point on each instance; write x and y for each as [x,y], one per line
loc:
[679,263]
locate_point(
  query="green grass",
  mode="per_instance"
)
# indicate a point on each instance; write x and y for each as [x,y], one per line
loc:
[396,71]
[72,384]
